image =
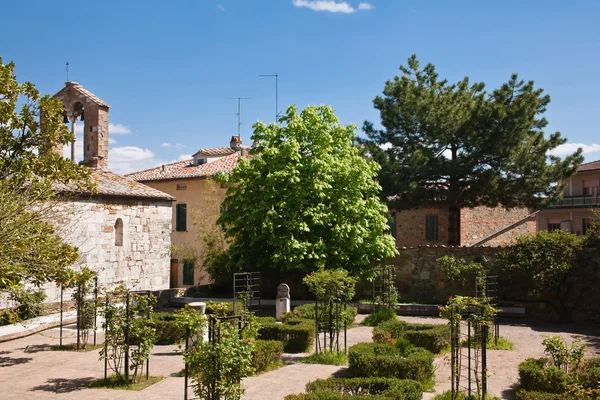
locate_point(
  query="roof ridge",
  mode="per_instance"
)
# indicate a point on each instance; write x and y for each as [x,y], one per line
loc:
[157,166]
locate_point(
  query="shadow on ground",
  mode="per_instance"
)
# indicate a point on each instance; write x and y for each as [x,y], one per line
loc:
[35,348]
[60,385]
[10,361]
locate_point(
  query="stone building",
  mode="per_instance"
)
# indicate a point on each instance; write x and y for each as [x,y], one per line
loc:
[575,211]
[197,204]
[123,230]
[428,225]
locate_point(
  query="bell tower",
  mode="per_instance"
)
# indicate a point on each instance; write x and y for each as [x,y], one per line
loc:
[82,105]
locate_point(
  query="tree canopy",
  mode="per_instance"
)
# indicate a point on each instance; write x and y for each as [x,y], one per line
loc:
[464,146]
[305,199]
[31,176]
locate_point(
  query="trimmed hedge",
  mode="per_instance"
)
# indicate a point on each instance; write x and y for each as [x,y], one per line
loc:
[384,360]
[535,376]
[405,389]
[531,395]
[296,338]
[334,396]
[307,311]
[431,337]
[167,332]
[265,353]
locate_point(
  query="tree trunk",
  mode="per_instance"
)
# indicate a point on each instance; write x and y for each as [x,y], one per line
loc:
[453,226]
[564,312]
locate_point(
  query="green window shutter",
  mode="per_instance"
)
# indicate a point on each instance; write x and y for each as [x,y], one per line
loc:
[181,218]
[188,272]
[392,224]
[431,227]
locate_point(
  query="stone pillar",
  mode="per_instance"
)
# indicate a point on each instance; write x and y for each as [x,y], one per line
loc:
[201,308]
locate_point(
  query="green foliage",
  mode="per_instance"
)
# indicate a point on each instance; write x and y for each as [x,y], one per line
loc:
[167,330]
[405,389]
[378,316]
[331,284]
[219,364]
[563,357]
[463,146]
[544,262]
[135,322]
[327,357]
[535,376]
[388,331]
[460,272]
[306,312]
[306,199]
[296,338]
[334,396]
[30,175]
[219,308]
[461,396]
[533,395]
[29,304]
[434,339]
[265,354]
[82,282]
[385,360]
[113,382]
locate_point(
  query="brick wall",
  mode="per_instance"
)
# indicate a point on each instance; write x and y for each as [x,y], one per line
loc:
[480,222]
[410,226]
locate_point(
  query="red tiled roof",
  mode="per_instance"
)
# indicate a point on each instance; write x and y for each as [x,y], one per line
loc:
[114,185]
[216,151]
[591,166]
[186,169]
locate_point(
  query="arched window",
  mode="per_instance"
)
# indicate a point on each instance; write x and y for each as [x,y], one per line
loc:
[119,232]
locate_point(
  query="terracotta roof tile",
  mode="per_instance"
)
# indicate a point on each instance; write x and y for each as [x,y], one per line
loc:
[590,166]
[186,169]
[216,151]
[111,184]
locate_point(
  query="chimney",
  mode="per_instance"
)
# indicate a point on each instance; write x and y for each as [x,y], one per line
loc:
[236,143]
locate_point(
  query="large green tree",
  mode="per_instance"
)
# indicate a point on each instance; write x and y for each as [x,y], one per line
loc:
[306,199]
[464,146]
[32,183]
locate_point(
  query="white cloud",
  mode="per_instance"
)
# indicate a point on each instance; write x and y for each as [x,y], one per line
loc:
[326,5]
[220,7]
[118,129]
[365,6]
[166,145]
[570,148]
[112,141]
[184,157]
[127,159]
[179,145]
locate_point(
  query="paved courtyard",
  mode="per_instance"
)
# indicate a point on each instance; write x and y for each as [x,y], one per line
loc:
[29,370]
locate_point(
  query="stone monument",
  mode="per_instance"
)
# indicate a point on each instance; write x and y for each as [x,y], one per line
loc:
[282,303]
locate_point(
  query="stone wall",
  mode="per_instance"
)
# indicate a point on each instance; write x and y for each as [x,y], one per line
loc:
[142,262]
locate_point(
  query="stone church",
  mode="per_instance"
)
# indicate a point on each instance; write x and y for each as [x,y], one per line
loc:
[123,231]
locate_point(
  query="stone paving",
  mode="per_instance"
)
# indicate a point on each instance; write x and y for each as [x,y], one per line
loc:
[28,370]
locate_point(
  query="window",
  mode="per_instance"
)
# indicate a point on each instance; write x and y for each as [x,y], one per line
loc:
[188,272]
[200,161]
[180,218]
[431,227]
[553,224]
[119,232]
[392,224]
[182,187]
[590,188]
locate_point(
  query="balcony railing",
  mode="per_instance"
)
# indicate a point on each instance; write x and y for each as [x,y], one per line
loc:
[576,201]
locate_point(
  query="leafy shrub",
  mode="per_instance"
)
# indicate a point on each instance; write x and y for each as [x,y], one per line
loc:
[388,331]
[379,316]
[531,395]
[384,360]
[435,338]
[333,396]
[535,376]
[298,321]
[588,377]
[295,338]
[327,358]
[307,311]
[265,320]
[460,272]
[266,353]
[461,396]
[389,387]
[563,357]
[219,308]
[167,331]
[30,305]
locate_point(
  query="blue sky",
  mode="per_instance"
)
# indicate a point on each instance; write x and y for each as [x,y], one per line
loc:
[167,68]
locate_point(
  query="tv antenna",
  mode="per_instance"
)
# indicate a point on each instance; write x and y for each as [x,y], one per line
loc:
[239,111]
[67,69]
[276,76]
